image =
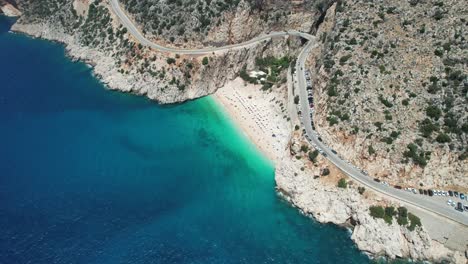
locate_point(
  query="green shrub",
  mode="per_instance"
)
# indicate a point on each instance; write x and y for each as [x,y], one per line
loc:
[388,219]
[332,120]
[331,91]
[414,221]
[390,210]
[402,211]
[394,134]
[385,101]
[443,138]
[378,125]
[304,148]
[420,158]
[344,59]
[326,172]
[361,190]
[296,99]
[402,220]
[170,60]
[377,211]
[371,150]
[433,112]
[205,61]
[342,183]
[426,127]
[313,155]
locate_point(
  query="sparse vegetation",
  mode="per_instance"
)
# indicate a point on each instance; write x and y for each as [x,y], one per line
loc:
[313,155]
[342,183]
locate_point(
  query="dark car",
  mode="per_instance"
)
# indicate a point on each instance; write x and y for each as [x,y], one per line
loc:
[376,180]
[398,187]
[455,193]
[450,193]
[425,192]
[431,192]
[421,191]
[459,207]
[334,152]
[319,138]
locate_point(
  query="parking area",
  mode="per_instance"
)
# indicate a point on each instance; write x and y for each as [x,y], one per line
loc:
[457,200]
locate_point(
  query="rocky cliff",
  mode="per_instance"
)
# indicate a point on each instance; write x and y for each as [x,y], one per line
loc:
[9,8]
[311,186]
[92,33]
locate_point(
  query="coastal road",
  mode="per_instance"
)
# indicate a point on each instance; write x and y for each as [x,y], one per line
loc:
[431,204]
[424,202]
[133,30]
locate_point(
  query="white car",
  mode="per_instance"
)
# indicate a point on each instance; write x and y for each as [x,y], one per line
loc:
[449,202]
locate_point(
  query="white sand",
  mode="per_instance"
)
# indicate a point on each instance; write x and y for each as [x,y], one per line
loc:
[258,115]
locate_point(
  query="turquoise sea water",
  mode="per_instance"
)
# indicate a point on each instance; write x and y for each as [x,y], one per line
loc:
[93,176]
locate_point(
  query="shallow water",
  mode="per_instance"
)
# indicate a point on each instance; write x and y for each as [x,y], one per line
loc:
[93,176]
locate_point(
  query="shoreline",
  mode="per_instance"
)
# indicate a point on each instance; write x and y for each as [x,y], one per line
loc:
[252,113]
[254,118]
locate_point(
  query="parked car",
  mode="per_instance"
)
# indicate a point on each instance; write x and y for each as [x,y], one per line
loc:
[455,193]
[431,192]
[459,207]
[450,193]
[425,192]
[376,180]
[421,191]
[397,187]
[334,152]
[462,196]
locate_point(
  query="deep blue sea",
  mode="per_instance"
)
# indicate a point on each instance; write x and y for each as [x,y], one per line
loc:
[88,175]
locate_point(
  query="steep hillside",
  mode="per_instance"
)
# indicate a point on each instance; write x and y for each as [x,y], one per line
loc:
[218,22]
[93,33]
[392,89]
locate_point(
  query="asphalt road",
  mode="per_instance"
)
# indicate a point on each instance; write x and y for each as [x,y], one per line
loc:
[430,204]
[133,30]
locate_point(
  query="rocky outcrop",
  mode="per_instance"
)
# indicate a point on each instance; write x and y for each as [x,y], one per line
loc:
[124,65]
[8,8]
[346,207]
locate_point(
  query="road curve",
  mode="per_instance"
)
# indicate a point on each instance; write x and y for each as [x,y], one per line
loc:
[431,204]
[133,30]
[423,202]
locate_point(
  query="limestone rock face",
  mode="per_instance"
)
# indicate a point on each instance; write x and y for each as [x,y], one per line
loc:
[122,64]
[328,204]
[8,9]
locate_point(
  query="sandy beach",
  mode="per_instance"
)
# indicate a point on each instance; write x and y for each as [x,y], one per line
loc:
[258,114]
